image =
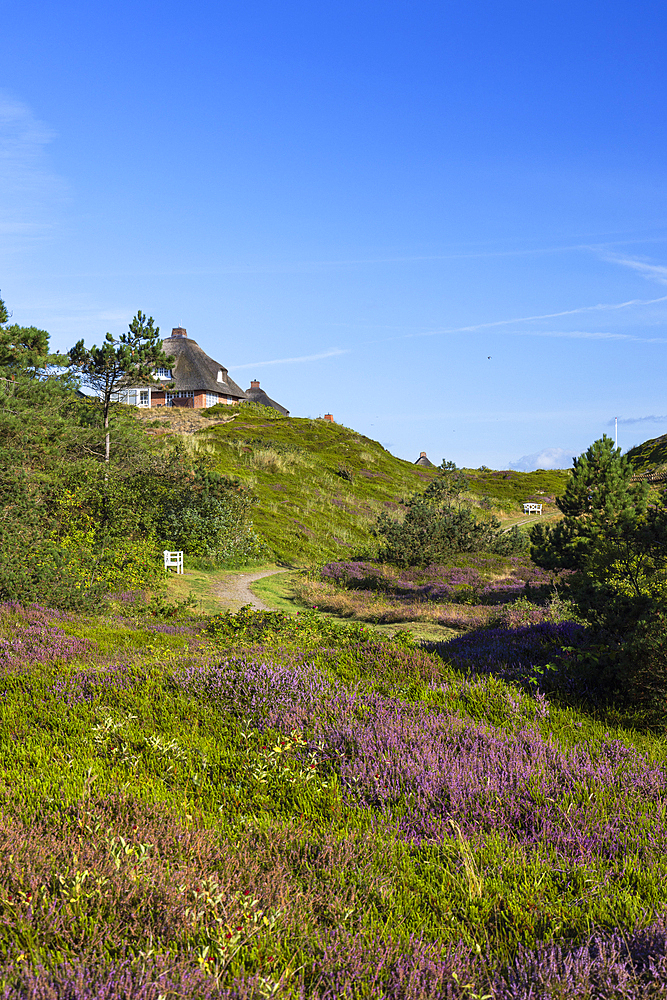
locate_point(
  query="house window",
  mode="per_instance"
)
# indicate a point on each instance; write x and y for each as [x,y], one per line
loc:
[143,398]
[163,373]
[212,398]
[171,396]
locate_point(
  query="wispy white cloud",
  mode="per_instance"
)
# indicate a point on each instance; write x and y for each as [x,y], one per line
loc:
[291,361]
[655,272]
[589,335]
[600,307]
[499,324]
[652,419]
[548,458]
[28,185]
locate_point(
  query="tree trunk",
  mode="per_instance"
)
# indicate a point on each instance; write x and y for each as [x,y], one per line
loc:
[106,432]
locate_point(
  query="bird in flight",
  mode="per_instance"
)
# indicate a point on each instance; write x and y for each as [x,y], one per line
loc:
[489,357]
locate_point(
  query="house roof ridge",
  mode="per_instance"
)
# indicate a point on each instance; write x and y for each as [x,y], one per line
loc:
[195,370]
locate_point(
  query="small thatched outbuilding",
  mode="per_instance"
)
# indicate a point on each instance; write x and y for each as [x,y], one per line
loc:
[257,395]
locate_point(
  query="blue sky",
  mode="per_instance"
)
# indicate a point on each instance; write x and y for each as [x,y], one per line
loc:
[445,223]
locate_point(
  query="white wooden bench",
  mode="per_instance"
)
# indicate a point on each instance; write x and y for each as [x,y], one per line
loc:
[532,508]
[173,559]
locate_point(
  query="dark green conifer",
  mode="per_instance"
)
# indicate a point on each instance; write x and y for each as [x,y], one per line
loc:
[130,360]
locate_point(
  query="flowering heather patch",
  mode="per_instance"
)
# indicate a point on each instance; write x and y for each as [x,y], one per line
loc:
[130,597]
[151,905]
[91,684]
[427,768]
[622,965]
[512,651]
[27,636]
[173,629]
[480,579]
[616,966]
[321,816]
[372,606]
[286,694]
[472,592]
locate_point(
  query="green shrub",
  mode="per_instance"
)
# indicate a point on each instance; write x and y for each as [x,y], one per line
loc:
[431,532]
[249,626]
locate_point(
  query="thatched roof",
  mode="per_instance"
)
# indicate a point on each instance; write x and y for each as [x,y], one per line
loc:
[423,460]
[193,370]
[257,395]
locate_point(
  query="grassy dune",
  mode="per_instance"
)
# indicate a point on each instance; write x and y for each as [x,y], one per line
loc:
[257,806]
[218,806]
[651,456]
[320,485]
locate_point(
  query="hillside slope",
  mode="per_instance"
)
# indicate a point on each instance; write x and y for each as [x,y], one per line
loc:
[320,485]
[651,456]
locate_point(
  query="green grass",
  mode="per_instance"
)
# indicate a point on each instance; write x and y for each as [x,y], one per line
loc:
[195,583]
[320,486]
[278,592]
[516,488]
[136,816]
[649,456]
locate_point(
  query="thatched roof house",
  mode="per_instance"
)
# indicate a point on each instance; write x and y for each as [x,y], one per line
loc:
[257,395]
[195,380]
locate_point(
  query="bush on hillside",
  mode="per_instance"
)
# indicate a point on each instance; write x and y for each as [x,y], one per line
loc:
[33,565]
[211,518]
[164,502]
[432,530]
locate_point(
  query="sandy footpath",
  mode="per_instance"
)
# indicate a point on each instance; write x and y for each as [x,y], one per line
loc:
[234,591]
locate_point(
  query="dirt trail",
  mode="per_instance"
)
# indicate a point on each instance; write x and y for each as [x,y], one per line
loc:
[234,591]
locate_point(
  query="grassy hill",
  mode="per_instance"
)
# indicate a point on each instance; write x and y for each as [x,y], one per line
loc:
[320,485]
[516,488]
[651,456]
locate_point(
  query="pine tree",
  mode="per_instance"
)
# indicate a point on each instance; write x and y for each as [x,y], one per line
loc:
[130,360]
[23,349]
[606,532]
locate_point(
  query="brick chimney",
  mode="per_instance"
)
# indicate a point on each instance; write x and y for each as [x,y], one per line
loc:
[422,454]
[254,384]
[179,331]
[329,417]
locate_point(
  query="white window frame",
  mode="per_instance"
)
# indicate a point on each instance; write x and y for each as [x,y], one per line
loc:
[133,396]
[178,394]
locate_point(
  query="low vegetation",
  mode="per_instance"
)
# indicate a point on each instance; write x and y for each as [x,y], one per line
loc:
[651,456]
[470,592]
[321,486]
[240,806]
[260,805]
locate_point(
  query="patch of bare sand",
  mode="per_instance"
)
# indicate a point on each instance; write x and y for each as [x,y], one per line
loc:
[233,592]
[178,420]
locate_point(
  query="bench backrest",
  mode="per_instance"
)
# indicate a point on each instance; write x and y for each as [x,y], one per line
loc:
[532,508]
[173,559]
